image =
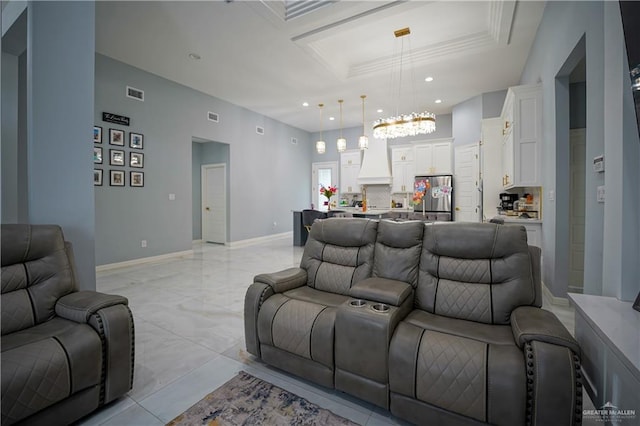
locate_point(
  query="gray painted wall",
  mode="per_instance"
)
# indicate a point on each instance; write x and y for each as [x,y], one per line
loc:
[206,153]
[60,100]
[612,229]
[265,171]
[9,138]
[467,121]
[492,103]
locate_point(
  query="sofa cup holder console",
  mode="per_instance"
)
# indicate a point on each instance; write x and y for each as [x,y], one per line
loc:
[381,308]
[358,303]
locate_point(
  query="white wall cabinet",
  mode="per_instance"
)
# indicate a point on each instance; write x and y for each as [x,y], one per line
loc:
[433,158]
[522,132]
[402,169]
[349,170]
[534,234]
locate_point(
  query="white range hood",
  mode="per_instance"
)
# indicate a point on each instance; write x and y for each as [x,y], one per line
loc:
[375,164]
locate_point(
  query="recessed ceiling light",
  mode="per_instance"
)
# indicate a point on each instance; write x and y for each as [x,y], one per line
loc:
[438,101]
[428,79]
[194,56]
[380,110]
[331,118]
[305,104]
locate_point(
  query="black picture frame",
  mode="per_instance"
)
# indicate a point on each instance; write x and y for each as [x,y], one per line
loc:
[97,177]
[136,179]
[136,159]
[116,157]
[97,134]
[97,155]
[636,304]
[116,137]
[136,140]
[116,177]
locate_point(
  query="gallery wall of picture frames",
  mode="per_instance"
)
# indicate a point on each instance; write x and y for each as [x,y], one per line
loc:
[117,157]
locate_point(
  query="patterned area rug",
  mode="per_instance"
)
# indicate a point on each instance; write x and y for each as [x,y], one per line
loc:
[246,400]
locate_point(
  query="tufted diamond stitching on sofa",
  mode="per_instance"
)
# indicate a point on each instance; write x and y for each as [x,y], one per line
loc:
[465,270]
[14,277]
[451,374]
[40,377]
[334,278]
[464,301]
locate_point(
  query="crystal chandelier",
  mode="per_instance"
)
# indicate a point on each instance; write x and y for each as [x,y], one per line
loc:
[320,145]
[363,141]
[402,125]
[341,143]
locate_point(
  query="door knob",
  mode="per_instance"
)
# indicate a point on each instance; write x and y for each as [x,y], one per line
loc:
[457,209]
[207,209]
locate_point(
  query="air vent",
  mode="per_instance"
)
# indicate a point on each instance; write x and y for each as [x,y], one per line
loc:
[260,130]
[134,93]
[294,141]
[213,116]
[298,8]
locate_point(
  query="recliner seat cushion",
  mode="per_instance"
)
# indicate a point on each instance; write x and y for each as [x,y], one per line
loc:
[468,376]
[302,328]
[46,364]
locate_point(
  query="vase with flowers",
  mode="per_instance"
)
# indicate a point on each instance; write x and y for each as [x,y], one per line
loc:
[328,191]
[420,188]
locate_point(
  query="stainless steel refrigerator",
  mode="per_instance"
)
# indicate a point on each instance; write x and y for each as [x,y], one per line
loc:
[437,201]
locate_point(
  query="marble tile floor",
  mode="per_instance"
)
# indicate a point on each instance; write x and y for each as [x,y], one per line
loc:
[189,334]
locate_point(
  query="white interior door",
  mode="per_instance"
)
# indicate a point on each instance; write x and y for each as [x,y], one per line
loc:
[323,174]
[576,209]
[214,203]
[467,195]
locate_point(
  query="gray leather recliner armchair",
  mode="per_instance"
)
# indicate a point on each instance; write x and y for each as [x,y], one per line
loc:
[64,352]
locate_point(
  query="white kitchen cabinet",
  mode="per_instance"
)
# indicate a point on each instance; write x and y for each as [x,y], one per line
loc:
[534,234]
[433,157]
[402,169]
[349,170]
[522,132]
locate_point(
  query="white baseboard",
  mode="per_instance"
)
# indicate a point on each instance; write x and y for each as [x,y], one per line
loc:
[196,241]
[258,240]
[551,299]
[143,260]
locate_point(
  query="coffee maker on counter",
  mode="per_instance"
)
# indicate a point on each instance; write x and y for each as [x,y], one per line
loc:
[506,202]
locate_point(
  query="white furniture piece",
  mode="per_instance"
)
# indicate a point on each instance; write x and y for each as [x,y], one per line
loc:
[434,157]
[522,136]
[349,169]
[402,169]
[607,330]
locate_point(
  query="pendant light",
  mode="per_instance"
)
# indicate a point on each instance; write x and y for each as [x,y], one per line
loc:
[409,124]
[341,143]
[363,141]
[320,145]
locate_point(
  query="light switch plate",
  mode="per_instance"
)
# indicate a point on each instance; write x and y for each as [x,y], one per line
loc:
[552,195]
[600,194]
[172,197]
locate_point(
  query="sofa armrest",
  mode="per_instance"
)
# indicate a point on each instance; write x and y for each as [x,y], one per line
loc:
[529,324]
[285,280]
[80,305]
[112,320]
[382,290]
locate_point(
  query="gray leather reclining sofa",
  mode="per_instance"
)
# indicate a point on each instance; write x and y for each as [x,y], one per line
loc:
[441,324]
[64,352]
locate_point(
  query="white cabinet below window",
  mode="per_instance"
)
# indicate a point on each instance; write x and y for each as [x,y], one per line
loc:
[433,158]
[349,170]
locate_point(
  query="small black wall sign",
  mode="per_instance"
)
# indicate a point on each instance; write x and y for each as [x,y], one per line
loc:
[115,118]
